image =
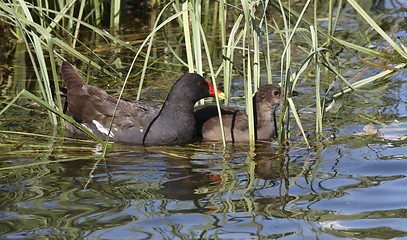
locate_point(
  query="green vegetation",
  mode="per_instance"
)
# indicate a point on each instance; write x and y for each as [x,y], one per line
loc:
[225,39]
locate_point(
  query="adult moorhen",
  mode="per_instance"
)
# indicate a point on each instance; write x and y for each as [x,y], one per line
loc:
[136,122]
[235,122]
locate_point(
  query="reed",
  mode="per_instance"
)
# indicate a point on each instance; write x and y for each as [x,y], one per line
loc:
[114,14]
[197,48]
[239,39]
[20,18]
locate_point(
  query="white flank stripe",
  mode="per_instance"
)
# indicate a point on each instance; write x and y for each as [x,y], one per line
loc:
[90,130]
[102,129]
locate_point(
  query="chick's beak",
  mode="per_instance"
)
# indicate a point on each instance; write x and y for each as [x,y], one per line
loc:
[294,94]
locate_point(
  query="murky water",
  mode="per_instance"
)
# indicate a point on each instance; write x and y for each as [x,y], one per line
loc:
[352,185]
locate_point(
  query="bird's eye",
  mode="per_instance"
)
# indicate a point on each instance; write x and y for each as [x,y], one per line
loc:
[276,93]
[200,84]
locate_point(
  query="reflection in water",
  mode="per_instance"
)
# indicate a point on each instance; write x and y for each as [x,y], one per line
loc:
[146,188]
[201,192]
[351,187]
[184,183]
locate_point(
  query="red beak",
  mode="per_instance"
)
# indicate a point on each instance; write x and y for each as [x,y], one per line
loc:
[220,94]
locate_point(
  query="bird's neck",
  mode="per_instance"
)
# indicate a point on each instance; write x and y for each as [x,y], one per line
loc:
[177,105]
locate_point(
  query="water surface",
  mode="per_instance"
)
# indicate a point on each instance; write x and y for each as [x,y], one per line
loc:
[351,185]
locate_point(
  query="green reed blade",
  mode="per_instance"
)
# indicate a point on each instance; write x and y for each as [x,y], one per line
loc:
[297,119]
[376,27]
[187,36]
[208,56]
[370,79]
[32,97]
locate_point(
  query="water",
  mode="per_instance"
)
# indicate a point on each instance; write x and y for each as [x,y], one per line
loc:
[151,193]
[350,186]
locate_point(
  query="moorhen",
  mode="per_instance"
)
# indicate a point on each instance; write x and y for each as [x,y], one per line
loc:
[235,122]
[136,122]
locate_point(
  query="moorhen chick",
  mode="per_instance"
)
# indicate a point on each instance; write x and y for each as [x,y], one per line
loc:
[136,122]
[235,122]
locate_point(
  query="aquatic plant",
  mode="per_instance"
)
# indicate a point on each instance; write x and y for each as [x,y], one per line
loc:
[223,38]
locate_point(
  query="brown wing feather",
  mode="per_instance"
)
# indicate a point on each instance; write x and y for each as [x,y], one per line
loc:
[87,104]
